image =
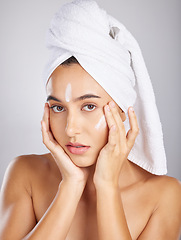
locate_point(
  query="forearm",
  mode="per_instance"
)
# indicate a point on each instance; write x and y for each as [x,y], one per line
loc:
[57,220]
[110,215]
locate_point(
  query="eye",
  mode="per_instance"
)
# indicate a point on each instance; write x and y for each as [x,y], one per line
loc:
[89,107]
[56,108]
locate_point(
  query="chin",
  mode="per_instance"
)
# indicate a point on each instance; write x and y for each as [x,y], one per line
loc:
[83,162]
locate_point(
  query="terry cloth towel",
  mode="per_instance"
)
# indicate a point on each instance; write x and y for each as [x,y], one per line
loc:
[111,55]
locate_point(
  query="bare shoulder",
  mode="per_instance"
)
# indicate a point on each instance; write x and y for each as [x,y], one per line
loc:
[27,163]
[171,193]
[31,160]
[21,179]
[26,167]
[166,192]
[159,186]
[166,185]
[171,184]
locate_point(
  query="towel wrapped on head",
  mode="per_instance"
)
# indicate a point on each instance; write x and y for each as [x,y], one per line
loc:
[111,55]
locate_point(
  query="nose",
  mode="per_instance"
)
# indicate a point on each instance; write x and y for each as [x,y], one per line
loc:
[73,125]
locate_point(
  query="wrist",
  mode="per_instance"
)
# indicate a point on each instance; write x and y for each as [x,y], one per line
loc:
[71,190]
[106,186]
[72,184]
[107,192]
[75,179]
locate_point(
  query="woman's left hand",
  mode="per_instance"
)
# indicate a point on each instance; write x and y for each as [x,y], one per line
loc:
[113,155]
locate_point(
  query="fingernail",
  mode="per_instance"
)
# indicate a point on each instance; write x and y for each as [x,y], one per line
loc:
[112,104]
[107,108]
[131,109]
[113,128]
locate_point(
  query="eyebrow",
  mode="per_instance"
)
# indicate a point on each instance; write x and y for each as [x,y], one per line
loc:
[86,96]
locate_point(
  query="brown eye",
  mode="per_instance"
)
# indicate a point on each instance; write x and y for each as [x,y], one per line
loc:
[57,108]
[89,107]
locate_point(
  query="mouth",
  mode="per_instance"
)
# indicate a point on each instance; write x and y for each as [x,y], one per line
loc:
[77,148]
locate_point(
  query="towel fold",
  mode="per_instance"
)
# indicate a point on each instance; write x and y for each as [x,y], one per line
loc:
[111,55]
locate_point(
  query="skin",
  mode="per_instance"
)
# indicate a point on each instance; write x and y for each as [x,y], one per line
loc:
[68,92]
[99,195]
[101,123]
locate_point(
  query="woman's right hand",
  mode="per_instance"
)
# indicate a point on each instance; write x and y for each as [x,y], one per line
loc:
[70,172]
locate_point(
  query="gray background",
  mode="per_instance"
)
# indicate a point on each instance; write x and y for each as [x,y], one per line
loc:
[23,25]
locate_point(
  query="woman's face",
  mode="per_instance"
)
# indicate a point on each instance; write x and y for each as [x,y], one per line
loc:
[76,104]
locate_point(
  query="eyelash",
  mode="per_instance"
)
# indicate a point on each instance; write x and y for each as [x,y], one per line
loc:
[55,106]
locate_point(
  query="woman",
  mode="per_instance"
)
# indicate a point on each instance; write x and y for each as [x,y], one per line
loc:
[91,185]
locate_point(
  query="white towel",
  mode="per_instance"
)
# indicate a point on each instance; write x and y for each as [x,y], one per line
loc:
[111,55]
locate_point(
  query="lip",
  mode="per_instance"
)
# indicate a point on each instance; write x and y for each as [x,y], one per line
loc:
[72,147]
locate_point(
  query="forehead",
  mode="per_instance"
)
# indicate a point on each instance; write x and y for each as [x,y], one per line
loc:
[81,82]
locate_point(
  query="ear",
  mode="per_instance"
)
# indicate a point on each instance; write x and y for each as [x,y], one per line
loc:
[122,114]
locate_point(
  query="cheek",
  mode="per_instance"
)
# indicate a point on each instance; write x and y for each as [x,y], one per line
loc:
[55,126]
[101,131]
[101,124]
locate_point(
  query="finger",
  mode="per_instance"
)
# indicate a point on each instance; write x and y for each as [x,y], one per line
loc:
[47,135]
[61,158]
[109,117]
[48,139]
[46,114]
[118,121]
[113,137]
[46,119]
[134,128]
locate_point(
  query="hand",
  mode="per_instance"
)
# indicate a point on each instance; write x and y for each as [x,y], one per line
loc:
[116,151]
[69,171]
